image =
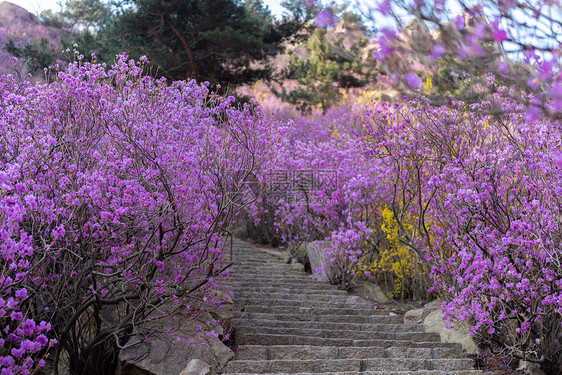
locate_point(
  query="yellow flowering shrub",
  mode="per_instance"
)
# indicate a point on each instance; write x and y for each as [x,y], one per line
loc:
[428,82]
[395,260]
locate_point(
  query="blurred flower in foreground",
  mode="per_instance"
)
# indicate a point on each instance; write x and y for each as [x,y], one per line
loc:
[413,80]
[557,157]
[436,52]
[533,114]
[326,18]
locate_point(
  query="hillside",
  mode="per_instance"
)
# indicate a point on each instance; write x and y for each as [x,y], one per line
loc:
[23,28]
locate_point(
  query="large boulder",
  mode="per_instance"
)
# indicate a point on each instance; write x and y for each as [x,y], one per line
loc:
[348,32]
[458,333]
[221,316]
[169,354]
[168,346]
[416,37]
[449,37]
[432,319]
[197,367]
[316,253]
[369,290]
[413,316]
[529,368]
[388,96]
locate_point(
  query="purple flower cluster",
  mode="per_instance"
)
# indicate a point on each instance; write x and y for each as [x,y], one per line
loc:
[116,192]
[21,337]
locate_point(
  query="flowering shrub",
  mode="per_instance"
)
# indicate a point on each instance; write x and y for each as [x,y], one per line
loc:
[330,189]
[21,336]
[118,190]
[459,201]
[484,189]
[394,262]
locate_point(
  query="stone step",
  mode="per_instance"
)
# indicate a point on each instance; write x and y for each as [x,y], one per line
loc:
[261,262]
[340,334]
[275,276]
[265,263]
[261,266]
[307,310]
[323,365]
[335,326]
[272,339]
[298,352]
[311,303]
[418,372]
[378,316]
[288,322]
[269,271]
[266,276]
[422,372]
[258,260]
[277,280]
[319,297]
[295,290]
[282,283]
[312,285]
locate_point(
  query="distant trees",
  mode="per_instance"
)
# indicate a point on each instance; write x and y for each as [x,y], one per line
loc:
[83,15]
[329,61]
[220,41]
[215,40]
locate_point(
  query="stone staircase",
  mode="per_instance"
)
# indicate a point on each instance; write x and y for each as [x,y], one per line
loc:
[287,323]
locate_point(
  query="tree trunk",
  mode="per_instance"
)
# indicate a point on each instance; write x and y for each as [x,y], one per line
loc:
[187,47]
[215,67]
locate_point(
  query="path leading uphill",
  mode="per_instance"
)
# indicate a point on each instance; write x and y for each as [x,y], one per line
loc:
[288,323]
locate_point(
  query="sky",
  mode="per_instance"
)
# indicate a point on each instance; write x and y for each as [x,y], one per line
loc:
[35,6]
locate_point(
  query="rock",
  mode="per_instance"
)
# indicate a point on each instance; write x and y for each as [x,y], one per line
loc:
[431,307]
[434,323]
[223,314]
[413,316]
[165,352]
[241,232]
[297,257]
[529,368]
[416,36]
[370,291]
[196,367]
[448,36]
[300,251]
[316,254]
[388,96]
[348,32]
[297,266]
